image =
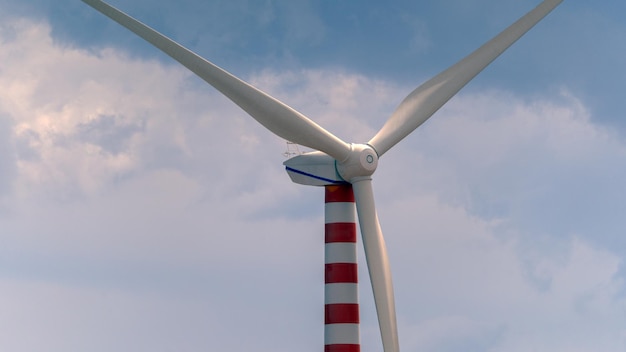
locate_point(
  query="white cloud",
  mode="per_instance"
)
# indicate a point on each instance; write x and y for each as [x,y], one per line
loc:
[56,317]
[148,210]
[475,238]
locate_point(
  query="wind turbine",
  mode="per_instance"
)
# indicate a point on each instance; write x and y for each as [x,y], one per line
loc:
[344,169]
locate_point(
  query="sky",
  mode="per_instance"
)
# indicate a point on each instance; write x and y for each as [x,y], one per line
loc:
[141,210]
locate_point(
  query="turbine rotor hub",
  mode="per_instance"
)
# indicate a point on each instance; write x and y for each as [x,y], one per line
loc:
[361,162]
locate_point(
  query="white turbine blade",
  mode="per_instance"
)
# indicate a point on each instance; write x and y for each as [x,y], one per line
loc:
[424,101]
[276,116]
[377,263]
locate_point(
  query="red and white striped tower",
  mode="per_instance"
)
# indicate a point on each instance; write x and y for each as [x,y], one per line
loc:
[341,297]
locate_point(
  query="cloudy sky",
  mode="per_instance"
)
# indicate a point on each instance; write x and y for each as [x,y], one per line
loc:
[142,211]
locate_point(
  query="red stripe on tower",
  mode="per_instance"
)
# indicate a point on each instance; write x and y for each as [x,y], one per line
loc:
[336,273]
[339,194]
[341,311]
[342,348]
[340,232]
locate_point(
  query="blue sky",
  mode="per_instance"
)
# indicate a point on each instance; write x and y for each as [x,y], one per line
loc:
[140,210]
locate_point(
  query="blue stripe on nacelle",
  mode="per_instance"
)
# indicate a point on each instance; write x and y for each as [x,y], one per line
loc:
[319,178]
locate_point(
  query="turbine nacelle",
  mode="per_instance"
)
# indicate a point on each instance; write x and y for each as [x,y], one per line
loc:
[320,169]
[313,169]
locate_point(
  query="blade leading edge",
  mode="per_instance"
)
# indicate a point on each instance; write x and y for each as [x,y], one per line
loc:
[377,263]
[276,116]
[424,101]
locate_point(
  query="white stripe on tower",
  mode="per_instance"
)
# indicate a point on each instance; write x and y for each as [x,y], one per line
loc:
[341,297]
